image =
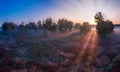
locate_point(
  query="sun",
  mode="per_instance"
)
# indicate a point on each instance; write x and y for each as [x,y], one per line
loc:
[92,22]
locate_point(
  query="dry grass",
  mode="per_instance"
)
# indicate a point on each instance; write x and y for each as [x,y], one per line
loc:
[37,47]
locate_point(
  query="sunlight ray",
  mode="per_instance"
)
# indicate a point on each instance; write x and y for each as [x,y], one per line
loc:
[77,61]
[86,43]
[92,48]
[73,6]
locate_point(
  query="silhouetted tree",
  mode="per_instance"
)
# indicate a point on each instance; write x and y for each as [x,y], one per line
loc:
[32,25]
[54,27]
[7,26]
[26,26]
[109,25]
[77,26]
[70,25]
[65,25]
[47,24]
[39,24]
[61,24]
[22,26]
[99,17]
[43,24]
[85,27]
[103,27]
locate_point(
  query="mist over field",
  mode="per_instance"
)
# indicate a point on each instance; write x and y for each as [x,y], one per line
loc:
[59,36]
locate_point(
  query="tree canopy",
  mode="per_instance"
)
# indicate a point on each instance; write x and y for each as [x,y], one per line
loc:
[7,26]
[85,27]
[65,25]
[103,26]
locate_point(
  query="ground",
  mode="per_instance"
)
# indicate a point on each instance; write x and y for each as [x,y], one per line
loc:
[62,52]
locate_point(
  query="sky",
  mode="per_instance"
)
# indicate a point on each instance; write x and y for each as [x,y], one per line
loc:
[76,10]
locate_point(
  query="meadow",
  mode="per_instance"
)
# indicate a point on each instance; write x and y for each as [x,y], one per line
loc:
[72,51]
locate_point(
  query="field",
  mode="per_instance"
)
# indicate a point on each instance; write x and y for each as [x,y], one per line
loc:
[44,51]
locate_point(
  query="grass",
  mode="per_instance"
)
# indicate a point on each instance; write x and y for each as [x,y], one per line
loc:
[36,47]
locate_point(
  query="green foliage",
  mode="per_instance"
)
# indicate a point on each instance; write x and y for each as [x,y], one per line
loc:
[32,25]
[61,23]
[50,25]
[103,27]
[21,26]
[39,24]
[85,27]
[70,25]
[65,25]
[7,26]
[99,17]
[54,27]
[77,26]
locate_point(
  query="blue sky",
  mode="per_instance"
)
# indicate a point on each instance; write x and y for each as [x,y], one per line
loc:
[76,10]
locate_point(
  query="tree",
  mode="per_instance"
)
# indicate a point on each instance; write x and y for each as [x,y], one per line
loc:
[22,26]
[65,25]
[99,17]
[47,24]
[39,24]
[7,26]
[85,27]
[70,25]
[110,26]
[103,27]
[61,24]
[77,26]
[54,27]
[32,25]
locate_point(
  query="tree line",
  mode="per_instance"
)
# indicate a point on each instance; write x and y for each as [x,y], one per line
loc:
[62,25]
[103,26]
